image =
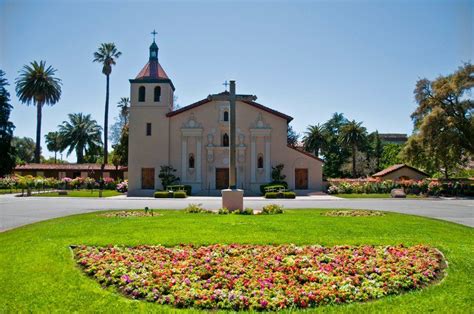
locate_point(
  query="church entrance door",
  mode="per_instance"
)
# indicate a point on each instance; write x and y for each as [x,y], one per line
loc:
[301,179]
[222,178]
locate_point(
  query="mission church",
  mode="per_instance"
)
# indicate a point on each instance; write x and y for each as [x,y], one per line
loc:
[195,140]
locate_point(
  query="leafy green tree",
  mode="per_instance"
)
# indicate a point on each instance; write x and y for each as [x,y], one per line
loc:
[7,155]
[54,143]
[106,54]
[167,176]
[333,153]
[120,157]
[81,134]
[24,149]
[121,120]
[314,139]
[448,98]
[277,176]
[292,137]
[37,85]
[390,155]
[352,135]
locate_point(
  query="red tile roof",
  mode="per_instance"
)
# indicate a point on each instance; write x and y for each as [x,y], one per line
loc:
[395,168]
[305,153]
[77,167]
[251,103]
[152,70]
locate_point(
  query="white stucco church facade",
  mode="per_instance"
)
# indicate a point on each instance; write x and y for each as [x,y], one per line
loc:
[195,140]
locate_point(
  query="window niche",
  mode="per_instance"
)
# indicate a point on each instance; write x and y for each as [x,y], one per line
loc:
[260,161]
[141,94]
[225,140]
[226,116]
[191,161]
[157,94]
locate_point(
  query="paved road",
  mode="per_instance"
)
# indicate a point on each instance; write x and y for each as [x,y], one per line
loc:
[17,211]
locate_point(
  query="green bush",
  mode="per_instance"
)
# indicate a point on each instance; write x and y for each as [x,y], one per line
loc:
[187,188]
[163,194]
[272,184]
[273,195]
[223,211]
[289,195]
[272,209]
[179,194]
[195,209]
[247,211]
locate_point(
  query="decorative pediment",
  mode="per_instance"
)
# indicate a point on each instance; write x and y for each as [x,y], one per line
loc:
[260,122]
[192,123]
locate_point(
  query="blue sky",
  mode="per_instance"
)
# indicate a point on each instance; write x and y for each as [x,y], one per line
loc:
[307,59]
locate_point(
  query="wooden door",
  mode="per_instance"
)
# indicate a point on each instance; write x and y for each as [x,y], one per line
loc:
[301,179]
[222,178]
[148,178]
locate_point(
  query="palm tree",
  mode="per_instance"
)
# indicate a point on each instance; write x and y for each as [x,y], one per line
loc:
[106,54]
[80,133]
[353,135]
[124,105]
[54,143]
[314,139]
[38,85]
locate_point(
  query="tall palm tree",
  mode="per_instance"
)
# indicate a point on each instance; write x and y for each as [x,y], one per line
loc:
[124,105]
[314,139]
[353,135]
[106,54]
[54,143]
[80,133]
[37,85]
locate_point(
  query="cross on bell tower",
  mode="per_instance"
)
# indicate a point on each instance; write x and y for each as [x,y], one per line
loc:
[154,48]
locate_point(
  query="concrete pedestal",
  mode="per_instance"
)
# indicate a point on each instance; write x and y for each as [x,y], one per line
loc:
[233,199]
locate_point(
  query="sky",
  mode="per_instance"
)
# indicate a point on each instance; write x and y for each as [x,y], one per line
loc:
[307,59]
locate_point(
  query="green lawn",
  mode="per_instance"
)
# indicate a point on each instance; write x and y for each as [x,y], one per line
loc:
[38,273]
[374,195]
[81,193]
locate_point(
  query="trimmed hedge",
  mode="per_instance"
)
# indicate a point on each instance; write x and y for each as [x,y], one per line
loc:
[180,187]
[275,184]
[280,195]
[166,194]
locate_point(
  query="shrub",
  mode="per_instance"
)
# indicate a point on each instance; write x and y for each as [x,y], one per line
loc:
[289,195]
[246,211]
[179,194]
[163,194]
[271,195]
[167,176]
[186,188]
[275,183]
[122,187]
[195,209]
[223,211]
[272,209]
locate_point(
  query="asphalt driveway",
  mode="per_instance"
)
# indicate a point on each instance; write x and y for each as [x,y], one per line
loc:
[19,211]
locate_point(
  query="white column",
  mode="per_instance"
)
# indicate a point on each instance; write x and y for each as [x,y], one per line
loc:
[184,158]
[253,159]
[198,159]
[267,160]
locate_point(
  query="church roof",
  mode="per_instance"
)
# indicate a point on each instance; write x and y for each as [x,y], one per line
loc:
[251,103]
[152,70]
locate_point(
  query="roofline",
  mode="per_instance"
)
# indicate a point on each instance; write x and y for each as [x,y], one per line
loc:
[401,166]
[152,80]
[305,153]
[251,103]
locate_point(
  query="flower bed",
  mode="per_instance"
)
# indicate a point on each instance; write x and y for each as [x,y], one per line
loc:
[260,277]
[352,213]
[131,213]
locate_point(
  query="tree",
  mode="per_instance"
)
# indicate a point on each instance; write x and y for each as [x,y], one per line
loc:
[277,176]
[7,157]
[121,149]
[314,139]
[167,176]
[81,134]
[37,85]
[353,134]
[378,149]
[106,54]
[390,155]
[447,97]
[121,120]
[24,149]
[54,143]
[333,153]
[292,137]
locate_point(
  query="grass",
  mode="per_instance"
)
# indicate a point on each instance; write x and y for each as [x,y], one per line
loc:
[81,193]
[373,195]
[38,273]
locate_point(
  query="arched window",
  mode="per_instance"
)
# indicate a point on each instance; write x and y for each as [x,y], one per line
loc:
[225,140]
[226,115]
[260,162]
[141,94]
[191,161]
[157,93]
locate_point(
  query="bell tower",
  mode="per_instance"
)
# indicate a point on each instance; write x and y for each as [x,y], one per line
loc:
[151,98]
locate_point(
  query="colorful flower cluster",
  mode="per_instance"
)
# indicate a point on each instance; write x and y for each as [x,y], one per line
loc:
[352,213]
[131,213]
[122,187]
[260,277]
